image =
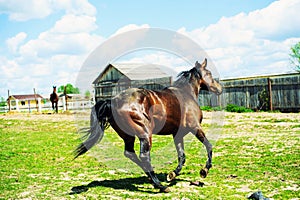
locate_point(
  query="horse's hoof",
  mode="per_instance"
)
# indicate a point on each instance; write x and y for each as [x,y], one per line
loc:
[171,176]
[164,189]
[203,172]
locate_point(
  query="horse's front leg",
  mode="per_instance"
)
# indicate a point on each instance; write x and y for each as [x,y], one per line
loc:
[201,136]
[178,141]
[56,107]
[146,164]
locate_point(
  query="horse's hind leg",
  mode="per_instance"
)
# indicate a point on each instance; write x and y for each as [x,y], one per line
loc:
[146,164]
[143,161]
[129,151]
[201,137]
[178,140]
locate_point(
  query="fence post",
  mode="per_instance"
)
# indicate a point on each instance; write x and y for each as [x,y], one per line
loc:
[8,101]
[39,104]
[64,103]
[247,98]
[270,94]
[35,99]
[66,98]
[29,106]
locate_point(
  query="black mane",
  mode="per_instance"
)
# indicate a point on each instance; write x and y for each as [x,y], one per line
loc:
[186,77]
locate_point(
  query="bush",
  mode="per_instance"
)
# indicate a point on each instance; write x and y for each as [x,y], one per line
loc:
[228,108]
[209,108]
[238,109]
[206,108]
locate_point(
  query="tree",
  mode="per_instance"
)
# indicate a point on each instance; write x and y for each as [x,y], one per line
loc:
[295,56]
[87,94]
[2,102]
[70,89]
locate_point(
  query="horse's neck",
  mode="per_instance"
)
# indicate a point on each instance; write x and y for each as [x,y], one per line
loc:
[192,89]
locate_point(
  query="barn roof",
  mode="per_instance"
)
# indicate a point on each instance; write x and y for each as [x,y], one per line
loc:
[137,71]
[23,97]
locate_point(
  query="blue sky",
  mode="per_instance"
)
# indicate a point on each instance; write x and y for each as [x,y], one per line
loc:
[112,15]
[44,43]
[171,15]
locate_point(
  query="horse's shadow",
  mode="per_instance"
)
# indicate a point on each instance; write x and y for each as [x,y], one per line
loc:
[130,184]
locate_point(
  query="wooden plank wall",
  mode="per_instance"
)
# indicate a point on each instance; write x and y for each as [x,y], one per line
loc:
[254,93]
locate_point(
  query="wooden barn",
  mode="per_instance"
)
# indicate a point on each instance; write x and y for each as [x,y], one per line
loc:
[274,92]
[120,76]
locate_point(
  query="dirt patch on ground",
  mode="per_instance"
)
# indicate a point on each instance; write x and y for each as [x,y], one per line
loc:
[46,116]
[282,118]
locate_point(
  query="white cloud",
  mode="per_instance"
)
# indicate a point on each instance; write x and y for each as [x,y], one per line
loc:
[123,40]
[276,20]
[27,10]
[70,35]
[9,68]
[36,9]
[14,42]
[56,55]
[157,57]
[20,78]
[71,23]
[81,7]
[254,43]
[130,27]
[48,44]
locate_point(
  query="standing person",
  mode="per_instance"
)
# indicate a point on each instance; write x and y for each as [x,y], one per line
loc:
[54,99]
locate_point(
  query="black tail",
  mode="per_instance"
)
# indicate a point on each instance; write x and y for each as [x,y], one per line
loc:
[100,116]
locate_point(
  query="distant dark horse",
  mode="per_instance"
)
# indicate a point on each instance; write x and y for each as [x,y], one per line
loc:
[54,99]
[138,112]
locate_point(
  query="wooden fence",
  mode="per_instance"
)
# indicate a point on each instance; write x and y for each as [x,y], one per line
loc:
[62,106]
[276,92]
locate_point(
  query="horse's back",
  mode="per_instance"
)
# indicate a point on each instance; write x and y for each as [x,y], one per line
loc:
[141,109]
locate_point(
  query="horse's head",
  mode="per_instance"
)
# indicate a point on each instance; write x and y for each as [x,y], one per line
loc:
[207,82]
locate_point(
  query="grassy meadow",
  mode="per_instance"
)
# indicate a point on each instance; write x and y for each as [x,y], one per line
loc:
[252,151]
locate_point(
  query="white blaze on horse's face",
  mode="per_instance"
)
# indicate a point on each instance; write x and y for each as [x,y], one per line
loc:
[207,78]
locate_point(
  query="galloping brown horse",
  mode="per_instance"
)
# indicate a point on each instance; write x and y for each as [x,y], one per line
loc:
[138,112]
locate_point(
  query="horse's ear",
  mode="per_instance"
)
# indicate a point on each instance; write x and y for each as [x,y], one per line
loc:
[203,65]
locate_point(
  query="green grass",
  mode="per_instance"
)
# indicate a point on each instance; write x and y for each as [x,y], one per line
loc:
[254,151]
